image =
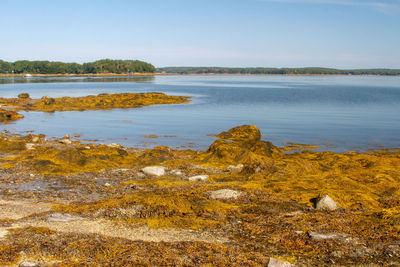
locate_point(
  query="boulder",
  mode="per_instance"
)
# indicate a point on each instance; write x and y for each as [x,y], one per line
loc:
[320,236]
[225,194]
[278,263]
[154,170]
[326,203]
[244,133]
[23,96]
[199,178]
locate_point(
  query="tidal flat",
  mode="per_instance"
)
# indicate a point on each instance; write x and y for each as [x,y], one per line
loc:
[243,201]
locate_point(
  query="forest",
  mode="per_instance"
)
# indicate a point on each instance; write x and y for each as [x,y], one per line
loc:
[282,71]
[99,66]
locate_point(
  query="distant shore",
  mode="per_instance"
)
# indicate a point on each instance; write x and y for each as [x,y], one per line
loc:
[2,75]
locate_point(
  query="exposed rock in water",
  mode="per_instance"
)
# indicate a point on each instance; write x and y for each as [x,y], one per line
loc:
[225,194]
[154,170]
[199,178]
[23,95]
[242,144]
[244,133]
[326,203]
[278,263]
[7,115]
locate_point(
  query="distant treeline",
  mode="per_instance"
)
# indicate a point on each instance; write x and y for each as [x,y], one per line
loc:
[285,71]
[100,66]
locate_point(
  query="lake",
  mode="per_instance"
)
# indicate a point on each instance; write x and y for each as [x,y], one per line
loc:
[338,113]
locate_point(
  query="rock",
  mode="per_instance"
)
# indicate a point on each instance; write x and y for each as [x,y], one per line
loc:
[63,217]
[8,115]
[278,263]
[326,203]
[199,178]
[66,140]
[46,100]
[35,139]
[114,145]
[24,96]
[29,146]
[225,194]
[319,236]
[140,175]
[237,168]
[29,264]
[154,170]
[107,184]
[244,133]
[177,172]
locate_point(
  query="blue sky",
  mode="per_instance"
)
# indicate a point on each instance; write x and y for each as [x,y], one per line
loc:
[242,33]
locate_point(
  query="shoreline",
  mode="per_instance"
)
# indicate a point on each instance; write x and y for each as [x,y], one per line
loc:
[243,198]
[179,74]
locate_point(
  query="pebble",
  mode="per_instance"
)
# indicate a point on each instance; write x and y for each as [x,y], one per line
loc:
[199,178]
[29,146]
[107,184]
[154,170]
[225,194]
[278,263]
[237,168]
[326,203]
[114,145]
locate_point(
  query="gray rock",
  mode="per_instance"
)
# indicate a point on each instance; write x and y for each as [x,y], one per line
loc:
[29,264]
[154,170]
[199,178]
[278,263]
[237,168]
[177,172]
[63,217]
[225,194]
[320,236]
[114,145]
[326,203]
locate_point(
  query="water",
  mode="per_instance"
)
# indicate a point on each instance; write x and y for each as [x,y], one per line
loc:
[350,112]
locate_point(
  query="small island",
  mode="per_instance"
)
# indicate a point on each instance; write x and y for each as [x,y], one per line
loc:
[9,106]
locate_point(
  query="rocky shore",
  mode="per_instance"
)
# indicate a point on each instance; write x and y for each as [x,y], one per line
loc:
[244,201]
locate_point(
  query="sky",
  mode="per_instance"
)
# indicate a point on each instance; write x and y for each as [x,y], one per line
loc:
[230,33]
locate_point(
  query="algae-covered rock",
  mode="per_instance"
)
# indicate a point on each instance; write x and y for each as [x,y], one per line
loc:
[23,96]
[241,144]
[326,203]
[8,115]
[244,133]
[157,155]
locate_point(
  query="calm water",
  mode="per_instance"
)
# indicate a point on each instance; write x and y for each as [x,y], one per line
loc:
[352,113]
